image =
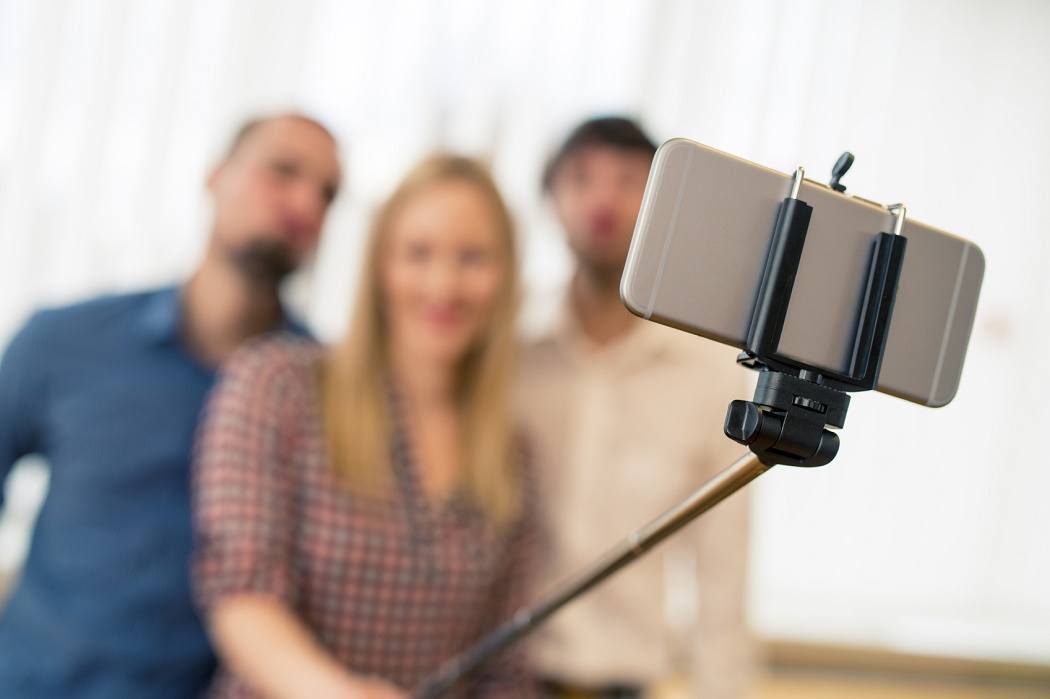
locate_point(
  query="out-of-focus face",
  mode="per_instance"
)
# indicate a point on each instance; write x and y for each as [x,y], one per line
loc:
[597,193]
[271,196]
[442,270]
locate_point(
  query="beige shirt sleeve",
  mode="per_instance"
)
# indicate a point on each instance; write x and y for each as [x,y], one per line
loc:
[725,654]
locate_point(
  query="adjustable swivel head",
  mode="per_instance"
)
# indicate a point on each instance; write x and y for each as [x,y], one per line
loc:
[787,421]
[842,166]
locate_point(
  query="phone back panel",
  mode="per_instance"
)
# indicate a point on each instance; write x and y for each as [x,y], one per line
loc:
[700,242]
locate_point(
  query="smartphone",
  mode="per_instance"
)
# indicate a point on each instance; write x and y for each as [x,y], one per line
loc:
[699,245]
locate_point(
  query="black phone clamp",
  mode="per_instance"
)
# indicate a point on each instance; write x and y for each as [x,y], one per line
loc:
[795,403]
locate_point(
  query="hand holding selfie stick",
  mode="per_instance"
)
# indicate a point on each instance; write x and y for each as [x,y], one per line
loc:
[786,422]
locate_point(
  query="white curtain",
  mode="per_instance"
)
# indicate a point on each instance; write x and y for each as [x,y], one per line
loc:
[926,534]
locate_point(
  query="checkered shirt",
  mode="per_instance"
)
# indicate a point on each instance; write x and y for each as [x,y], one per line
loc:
[391,586]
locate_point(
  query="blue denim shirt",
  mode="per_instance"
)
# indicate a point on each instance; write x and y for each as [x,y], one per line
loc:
[107,393]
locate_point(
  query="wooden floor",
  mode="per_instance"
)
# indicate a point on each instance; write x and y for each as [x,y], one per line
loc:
[818,671]
[806,686]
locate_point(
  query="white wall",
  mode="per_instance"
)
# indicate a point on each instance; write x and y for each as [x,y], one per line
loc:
[928,532]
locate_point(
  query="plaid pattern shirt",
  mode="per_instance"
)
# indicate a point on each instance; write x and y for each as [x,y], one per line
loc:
[391,586]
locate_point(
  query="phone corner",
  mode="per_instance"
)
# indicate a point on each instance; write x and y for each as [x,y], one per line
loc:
[975,259]
[631,297]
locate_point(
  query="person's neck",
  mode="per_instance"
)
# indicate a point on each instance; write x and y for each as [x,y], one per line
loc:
[222,308]
[426,386]
[595,299]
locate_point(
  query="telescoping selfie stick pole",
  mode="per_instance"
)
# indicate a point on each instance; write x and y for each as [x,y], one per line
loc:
[743,471]
[786,422]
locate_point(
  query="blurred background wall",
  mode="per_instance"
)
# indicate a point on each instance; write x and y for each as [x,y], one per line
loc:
[926,536]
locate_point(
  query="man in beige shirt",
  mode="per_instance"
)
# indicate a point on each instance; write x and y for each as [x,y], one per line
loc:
[625,419]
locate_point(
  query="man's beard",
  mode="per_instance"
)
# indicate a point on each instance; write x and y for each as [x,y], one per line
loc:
[603,273]
[264,261]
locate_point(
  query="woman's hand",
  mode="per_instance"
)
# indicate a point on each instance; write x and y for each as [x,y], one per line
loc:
[371,688]
[265,644]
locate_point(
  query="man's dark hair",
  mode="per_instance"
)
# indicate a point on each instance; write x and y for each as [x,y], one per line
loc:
[248,126]
[610,131]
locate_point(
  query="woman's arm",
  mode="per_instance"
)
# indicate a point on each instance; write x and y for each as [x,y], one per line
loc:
[245,509]
[268,647]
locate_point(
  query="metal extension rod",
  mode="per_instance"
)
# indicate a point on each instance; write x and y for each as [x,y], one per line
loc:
[638,543]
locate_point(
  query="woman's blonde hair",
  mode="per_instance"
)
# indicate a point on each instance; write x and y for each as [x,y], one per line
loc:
[356,377]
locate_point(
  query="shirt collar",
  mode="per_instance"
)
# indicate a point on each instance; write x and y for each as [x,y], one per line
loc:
[161,314]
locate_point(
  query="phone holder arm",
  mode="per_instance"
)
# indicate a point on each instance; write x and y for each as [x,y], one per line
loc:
[795,403]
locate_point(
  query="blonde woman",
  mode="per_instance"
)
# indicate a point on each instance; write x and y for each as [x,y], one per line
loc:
[362,510]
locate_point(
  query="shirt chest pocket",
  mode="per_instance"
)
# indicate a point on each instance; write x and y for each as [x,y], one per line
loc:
[653,476]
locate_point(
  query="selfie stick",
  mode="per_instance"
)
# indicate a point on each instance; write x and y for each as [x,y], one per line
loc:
[786,423]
